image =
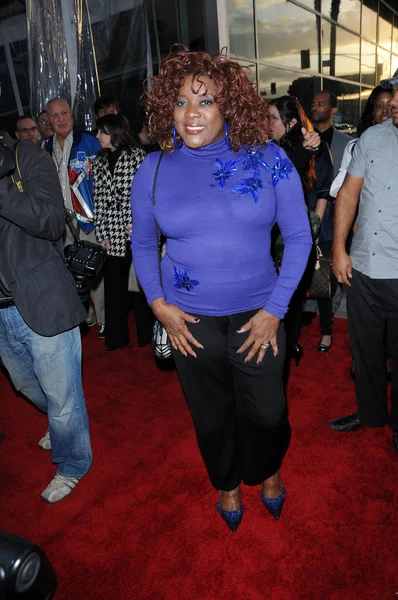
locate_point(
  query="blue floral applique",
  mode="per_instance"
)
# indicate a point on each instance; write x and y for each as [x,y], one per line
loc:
[249,186]
[281,169]
[253,159]
[183,281]
[225,171]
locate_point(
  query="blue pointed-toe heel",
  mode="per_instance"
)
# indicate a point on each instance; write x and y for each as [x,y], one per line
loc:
[274,505]
[232,518]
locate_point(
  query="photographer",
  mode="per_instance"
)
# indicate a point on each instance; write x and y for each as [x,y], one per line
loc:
[40,310]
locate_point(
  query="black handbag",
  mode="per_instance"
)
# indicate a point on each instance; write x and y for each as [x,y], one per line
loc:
[160,340]
[279,245]
[324,282]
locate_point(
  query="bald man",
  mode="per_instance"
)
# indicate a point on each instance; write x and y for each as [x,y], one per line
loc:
[73,153]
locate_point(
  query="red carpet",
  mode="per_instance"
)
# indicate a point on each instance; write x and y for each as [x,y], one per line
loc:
[143,525]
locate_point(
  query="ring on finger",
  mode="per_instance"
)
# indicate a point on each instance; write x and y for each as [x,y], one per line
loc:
[266,345]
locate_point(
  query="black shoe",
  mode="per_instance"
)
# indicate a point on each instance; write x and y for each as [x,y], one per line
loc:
[296,352]
[323,348]
[308,317]
[101,332]
[395,439]
[348,423]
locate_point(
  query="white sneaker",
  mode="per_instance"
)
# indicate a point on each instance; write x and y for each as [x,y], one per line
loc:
[58,488]
[45,442]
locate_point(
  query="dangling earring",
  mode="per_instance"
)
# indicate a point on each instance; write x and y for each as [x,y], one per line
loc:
[176,144]
[226,129]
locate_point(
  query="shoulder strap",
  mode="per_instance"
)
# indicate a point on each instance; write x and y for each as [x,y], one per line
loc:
[157,234]
[17,179]
[155,178]
[353,146]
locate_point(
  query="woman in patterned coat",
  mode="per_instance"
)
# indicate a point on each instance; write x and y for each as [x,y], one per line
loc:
[114,171]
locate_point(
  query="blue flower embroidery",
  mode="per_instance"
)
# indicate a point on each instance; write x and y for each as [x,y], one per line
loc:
[249,186]
[281,169]
[183,281]
[253,159]
[225,172]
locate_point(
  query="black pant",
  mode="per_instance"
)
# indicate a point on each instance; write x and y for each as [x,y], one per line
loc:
[116,300]
[325,304]
[238,409]
[372,305]
[143,319]
[293,319]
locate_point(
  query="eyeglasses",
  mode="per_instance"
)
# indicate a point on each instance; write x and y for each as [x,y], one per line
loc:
[28,129]
[43,122]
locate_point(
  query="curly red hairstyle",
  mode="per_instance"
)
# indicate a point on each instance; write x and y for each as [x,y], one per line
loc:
[237,99]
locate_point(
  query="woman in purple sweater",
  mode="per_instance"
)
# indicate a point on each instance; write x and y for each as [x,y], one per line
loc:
[220,189]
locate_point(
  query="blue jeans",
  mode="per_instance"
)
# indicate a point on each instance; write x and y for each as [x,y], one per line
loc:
[47,370]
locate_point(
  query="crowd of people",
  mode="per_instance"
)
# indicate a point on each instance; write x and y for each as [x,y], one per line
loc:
[241,192]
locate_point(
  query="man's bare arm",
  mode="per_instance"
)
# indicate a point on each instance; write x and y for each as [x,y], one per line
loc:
[344,215]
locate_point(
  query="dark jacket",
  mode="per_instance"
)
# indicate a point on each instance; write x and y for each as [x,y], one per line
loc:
[31,249]
[324,178]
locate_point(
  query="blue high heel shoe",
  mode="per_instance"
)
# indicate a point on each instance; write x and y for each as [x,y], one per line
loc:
[232,518]
[274,505]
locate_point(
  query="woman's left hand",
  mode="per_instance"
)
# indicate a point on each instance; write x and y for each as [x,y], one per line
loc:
[263,328]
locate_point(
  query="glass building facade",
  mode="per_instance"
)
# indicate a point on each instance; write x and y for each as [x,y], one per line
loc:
[300,47]
[295,47]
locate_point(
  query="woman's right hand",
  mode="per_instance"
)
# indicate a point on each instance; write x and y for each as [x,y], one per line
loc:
[173,320]
[106,244]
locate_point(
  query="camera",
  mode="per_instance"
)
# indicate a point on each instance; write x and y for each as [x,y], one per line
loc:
[84,260]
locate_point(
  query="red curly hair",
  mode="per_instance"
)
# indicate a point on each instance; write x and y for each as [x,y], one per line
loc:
[237,99]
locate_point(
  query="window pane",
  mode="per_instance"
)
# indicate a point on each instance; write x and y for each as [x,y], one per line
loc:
[364,98]
[394,63]
[287,82]
[385,32]
[395,35]
[369,19]
[383,64]
[287,34]
[345,12]
[340,52]
[368,63]
[348,103]
[250,70]
[193,24]
[7,98]
[19,54]
[241,28]
[166,21]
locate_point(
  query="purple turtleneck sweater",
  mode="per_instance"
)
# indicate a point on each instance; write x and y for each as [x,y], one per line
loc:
[216,209]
